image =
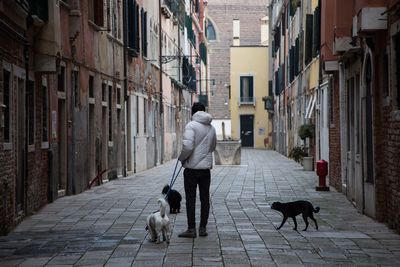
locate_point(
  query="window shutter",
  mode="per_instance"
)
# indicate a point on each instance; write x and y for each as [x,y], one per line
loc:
[316,32]
[145,34]
[130,23]
[137,31]
[309,39]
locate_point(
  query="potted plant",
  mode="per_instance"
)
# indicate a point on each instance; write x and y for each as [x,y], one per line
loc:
[307,131]
[297,154]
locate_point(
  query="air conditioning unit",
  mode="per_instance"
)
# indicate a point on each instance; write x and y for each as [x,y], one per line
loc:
[372,19]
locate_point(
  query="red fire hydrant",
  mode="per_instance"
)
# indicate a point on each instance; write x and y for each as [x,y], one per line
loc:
[322,172]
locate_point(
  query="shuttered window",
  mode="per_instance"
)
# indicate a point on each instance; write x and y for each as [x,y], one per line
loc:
[133,28]
[98,12]
[309,39]
[316,32]
[144,32]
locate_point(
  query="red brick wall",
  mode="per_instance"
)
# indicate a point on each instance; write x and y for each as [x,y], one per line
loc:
[334,139]
[37,181]
[387,147]
[7,172]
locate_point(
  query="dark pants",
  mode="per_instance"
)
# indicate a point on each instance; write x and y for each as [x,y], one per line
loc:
[192,178]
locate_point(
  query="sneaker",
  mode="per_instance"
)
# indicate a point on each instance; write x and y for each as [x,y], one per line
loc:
[203,231]
[190,233]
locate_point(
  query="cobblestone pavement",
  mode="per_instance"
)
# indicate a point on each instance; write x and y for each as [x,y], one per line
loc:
[105,226]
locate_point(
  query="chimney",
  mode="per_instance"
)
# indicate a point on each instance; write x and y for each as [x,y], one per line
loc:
[236,32]
[264,31]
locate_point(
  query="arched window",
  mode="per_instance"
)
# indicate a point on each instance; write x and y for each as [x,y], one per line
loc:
[210,31]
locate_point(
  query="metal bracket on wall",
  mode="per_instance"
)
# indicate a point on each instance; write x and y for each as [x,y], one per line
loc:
[167,59]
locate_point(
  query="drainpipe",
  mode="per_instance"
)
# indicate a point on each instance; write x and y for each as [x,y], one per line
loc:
[161,82]
[124,29]
[26,61]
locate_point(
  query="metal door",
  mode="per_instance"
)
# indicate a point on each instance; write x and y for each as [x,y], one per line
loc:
[246,130]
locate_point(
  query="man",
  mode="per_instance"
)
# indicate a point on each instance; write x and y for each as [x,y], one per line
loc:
[199,141]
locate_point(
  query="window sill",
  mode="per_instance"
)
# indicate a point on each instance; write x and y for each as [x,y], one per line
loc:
[104,104]
[115,39]
[92,100]
[96,27]
[7,146]
[110,143]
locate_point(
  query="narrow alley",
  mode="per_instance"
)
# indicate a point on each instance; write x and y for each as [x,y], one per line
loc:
[105,226]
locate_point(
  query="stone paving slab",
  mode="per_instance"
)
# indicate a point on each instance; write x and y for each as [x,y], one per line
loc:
[105,225]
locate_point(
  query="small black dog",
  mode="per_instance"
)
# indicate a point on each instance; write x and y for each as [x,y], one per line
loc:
[292,209]
[174,199]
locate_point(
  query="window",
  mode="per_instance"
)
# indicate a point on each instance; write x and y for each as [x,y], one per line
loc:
[61,79]
[108,15]
[117,19]
[6,105]
[96,12]
[30,98]
[75,86]
[246,90]
[110,122]
[316,32]
[144,115]
[133,28]
[118,95]
[45,111]
[144,32]
[104,92]
[137,114]
[308,39]
[210,31]
[91,86]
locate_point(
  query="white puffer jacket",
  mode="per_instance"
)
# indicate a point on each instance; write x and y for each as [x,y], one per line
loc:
[199,141]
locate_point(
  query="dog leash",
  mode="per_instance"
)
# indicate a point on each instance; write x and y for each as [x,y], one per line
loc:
[174,177]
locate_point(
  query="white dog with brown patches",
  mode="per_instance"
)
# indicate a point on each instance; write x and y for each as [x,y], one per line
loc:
[158,224]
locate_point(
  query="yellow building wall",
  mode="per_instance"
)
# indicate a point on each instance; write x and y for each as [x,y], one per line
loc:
[251,61]
[314,74]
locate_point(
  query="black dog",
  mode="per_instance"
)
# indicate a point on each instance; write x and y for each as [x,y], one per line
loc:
[292,209]
[174,199]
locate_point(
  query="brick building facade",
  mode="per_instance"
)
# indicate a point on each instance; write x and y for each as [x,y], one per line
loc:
[24,159]
[220,17]
[71,74]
